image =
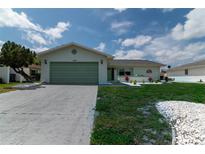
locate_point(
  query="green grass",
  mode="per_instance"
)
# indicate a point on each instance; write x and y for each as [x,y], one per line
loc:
[120,119]
[5,87]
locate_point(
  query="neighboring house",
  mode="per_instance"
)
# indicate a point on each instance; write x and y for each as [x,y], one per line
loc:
[76,64]
[191,72]
[9,75]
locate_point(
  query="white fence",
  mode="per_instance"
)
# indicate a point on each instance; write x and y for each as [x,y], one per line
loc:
[4,74]
[188,78]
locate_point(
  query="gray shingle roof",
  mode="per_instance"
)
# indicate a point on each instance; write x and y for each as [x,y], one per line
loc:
[128,62]
[194,64]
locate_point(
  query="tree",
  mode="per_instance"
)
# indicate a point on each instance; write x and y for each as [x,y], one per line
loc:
[17,57]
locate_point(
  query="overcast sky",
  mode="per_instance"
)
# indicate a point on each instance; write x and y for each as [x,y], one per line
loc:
[170,36]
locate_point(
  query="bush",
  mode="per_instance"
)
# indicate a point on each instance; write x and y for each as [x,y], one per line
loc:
[135,82]
[157,81]
[150,79]
[1,81]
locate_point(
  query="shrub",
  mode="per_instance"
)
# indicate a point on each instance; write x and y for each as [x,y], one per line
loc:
[135,82]
[157,81]
[150,79]
[1,81]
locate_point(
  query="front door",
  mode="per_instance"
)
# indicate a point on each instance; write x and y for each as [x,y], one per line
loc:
[110,74]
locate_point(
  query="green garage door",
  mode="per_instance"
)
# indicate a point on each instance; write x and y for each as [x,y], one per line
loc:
[74,72]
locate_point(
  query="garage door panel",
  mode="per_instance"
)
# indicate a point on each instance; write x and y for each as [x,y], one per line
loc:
[74,72]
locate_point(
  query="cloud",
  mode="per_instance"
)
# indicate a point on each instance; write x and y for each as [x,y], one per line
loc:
[39,49]
[169,51]
[194,26]
[34,37]
[120,9]
[166,50]
[56,32]
[129,54]
[165,10]
[110,13]
[173,48]
[121,27]
[137,41]
[10,18]
[101,46]
[13,19]
[118,41]
[88,30]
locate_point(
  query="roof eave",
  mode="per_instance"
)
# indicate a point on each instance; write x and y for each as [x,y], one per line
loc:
[162,65]
[152,63]
[74,44]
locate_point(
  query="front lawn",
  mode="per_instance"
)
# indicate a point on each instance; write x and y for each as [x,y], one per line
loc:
[127,115]
[5,87]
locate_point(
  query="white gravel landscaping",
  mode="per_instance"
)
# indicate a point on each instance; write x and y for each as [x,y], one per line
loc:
[187,120]
[130,84]
[138,84]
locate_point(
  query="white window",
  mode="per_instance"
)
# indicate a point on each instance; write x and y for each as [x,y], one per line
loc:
[125,71]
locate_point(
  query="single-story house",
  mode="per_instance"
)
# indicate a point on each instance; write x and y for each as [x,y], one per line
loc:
[76,64]
[7,74]
[191,72]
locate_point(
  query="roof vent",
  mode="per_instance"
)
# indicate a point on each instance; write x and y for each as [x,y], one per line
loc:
[74,51]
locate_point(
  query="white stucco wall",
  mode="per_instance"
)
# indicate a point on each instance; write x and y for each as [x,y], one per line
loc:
[142,71]
[4,74]
[65,55]
[176,73]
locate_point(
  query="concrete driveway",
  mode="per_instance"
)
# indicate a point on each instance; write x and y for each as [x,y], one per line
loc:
[52,114]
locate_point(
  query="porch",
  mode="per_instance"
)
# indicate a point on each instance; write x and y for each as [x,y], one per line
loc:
[138,74]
